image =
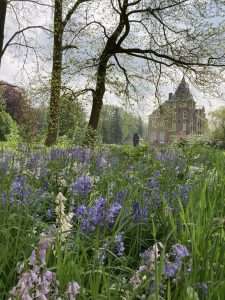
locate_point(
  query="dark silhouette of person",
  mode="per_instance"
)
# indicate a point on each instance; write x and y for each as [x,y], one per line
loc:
[136,139]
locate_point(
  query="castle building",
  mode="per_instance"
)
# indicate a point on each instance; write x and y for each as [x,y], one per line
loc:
[178,117]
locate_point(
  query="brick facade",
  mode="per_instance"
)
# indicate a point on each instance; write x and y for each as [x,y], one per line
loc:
[177,117]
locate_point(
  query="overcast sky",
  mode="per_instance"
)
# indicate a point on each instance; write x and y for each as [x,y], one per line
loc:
[14,71]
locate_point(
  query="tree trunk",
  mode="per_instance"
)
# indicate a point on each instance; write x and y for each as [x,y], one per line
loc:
[53,121]
[97,99]
[101,77]
[3,8]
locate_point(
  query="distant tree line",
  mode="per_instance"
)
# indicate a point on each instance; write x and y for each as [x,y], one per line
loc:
[31,120]
[118,126]
[162,37]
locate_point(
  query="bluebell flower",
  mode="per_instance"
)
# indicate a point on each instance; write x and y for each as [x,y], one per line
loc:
[32,162]
[184,191]
[113,213]
[83,155]
[153,183]
[57,154]
[171,268]
[139,213]
[120,196]
[97,212]
[179,251]
[81,211]
[101,162]
[82,186]
[97,215]
[119,244]
[19,190]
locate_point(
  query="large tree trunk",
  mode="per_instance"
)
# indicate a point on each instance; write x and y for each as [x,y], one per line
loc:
[3,8]
[99,92]
[98,96]
[53,121]
[97,102]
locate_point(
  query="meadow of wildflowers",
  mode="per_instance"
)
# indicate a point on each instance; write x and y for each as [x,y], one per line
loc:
[113,223]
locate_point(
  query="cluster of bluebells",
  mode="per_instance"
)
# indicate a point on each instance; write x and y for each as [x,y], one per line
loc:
[82,186]
[97,215]
[139,213]
[5,161]
[119,244]
[151,257]
[116,246]
[73,290]
[20,191]
[153,193]
[172,159]
[82,155]
[39,282]
[181,194]
[120,196]
[174,264]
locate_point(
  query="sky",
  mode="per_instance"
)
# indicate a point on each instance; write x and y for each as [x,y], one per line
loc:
[13,69]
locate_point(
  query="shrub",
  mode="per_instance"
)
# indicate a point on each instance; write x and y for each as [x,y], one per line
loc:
[6,124]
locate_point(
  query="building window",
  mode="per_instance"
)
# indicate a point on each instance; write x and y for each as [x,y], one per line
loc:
[153,136]
[185,115]
[162,137]
[199,127]
[191,127]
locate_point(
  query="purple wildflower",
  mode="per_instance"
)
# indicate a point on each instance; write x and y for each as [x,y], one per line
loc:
[19,190]
[139,213]
[113,213]
[81,211]
[171,268]
[83,155]
[119,243]
[97,215]
[82,186]
[121,196]
[73,290]
[97,212]
[101,162]
[180,251]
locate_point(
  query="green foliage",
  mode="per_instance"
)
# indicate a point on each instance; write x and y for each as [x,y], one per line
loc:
[131,176]
[16,241]
[6,125]
[118,126]
[72,117]
[218,126]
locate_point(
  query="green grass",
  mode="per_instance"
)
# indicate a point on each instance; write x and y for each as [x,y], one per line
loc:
[200,226]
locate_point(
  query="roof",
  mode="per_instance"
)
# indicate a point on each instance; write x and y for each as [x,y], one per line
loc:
[182,92]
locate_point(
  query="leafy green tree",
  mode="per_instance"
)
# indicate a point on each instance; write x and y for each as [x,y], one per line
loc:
[72,116]
[218,125]
[60,24]
[105,131]
[116,127]
[140,127]
[114,119]
[6,123]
